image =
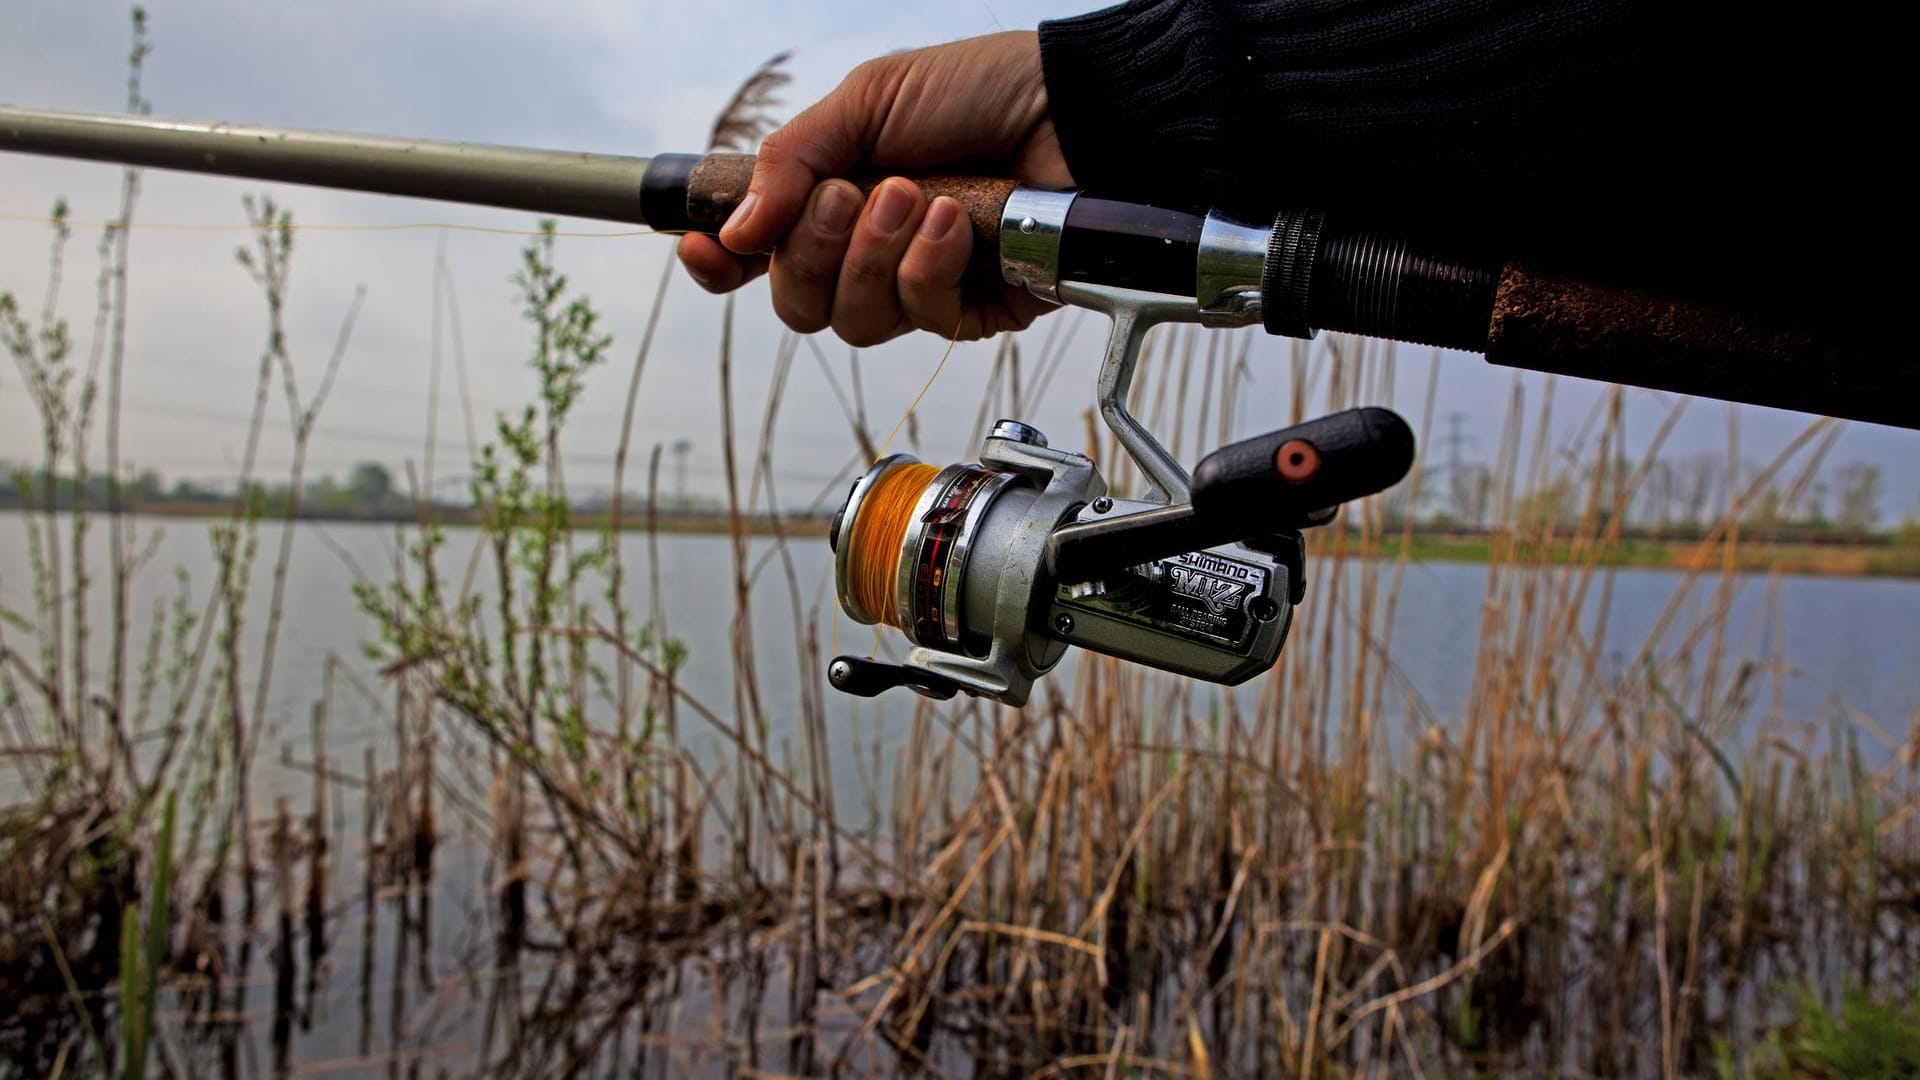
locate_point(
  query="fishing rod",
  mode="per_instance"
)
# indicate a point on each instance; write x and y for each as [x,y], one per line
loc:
[991,569]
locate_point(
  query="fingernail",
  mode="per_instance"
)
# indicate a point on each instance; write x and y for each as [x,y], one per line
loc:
[891,204]
[742,212]
[833,210]
[940,218]
[699,278]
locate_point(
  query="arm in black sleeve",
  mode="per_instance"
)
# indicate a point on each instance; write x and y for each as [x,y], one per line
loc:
[1611,134]
[1156,95]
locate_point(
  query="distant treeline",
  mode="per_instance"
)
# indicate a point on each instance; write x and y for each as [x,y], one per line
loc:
[1697,491]
[367,491]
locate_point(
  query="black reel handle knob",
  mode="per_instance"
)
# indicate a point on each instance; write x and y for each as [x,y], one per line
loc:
[1288,477]
[869,678]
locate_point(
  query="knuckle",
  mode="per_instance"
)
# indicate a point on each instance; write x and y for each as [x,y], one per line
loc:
[712,282]
[776,150]
[935,318]
[929,286]
[939,318]
[920,278]
[798,318]
[869,88]
[866,272]
[798,266]
[868,73]
[809,147]
[860,337]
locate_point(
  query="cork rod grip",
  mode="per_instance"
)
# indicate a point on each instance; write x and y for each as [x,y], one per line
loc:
[685,193]
[1546,322]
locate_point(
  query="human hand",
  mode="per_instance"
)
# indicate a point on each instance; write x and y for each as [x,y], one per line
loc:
[899,262]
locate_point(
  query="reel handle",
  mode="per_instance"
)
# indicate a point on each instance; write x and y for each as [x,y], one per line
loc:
[1291,473]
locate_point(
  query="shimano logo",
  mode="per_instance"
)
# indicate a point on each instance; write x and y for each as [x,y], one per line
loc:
[1214,564]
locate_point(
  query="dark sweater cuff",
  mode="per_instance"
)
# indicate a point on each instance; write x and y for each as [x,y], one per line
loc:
[1142,96]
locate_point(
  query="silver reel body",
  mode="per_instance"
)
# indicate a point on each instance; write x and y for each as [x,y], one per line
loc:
[972,590]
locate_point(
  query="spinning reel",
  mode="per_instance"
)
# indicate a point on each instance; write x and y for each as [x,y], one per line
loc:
[992,569]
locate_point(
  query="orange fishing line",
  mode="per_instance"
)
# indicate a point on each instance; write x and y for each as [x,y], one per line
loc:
[878,531]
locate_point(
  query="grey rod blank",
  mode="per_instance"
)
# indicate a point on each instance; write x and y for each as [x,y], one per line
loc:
[560,182]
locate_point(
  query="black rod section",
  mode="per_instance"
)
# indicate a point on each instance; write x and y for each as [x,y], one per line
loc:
[1130,246]
[1324,275]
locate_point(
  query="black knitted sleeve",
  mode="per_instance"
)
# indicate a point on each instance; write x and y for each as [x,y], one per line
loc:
[1154,95]
[1585,126]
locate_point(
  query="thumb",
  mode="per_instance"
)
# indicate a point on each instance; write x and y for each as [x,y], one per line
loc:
[827,140]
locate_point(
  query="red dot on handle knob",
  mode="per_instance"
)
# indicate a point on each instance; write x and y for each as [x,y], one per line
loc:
[1296,461]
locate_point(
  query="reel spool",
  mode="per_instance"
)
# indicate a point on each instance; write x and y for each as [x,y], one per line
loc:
[908,530]
[955,558]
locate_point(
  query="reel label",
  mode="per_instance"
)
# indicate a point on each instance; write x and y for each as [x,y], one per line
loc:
[1206,596]
[1198,595]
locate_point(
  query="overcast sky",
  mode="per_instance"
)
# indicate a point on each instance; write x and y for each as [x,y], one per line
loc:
[627,77]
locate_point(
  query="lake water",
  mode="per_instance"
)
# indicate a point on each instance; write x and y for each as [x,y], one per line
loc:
[1851,639]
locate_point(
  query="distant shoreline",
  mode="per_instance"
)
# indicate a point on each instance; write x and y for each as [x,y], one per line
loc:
[1785,550]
